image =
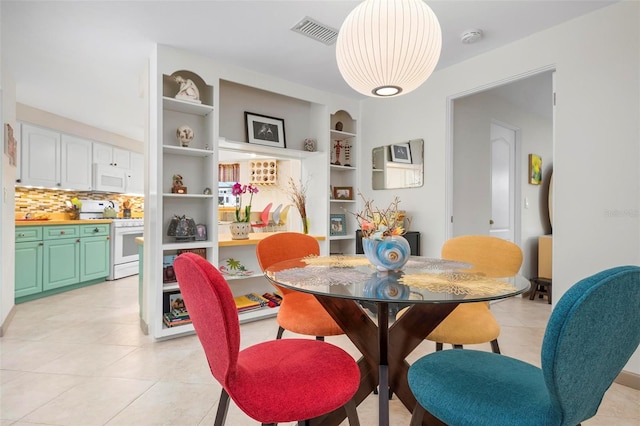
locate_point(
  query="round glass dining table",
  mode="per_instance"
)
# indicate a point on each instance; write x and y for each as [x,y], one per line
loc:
[347,285]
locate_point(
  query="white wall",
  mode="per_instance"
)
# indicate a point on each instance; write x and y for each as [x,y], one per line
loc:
[7,224]
[596,211]
[471,171]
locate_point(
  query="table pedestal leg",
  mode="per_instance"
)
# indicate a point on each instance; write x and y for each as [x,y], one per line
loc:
[384,349]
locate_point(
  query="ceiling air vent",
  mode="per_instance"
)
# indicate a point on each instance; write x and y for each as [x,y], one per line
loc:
[315,30]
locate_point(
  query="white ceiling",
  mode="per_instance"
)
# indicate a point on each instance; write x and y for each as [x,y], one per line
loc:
[83,59]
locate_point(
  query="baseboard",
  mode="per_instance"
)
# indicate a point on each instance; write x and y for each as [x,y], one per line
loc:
[144,327]
[629,379]
[5,324]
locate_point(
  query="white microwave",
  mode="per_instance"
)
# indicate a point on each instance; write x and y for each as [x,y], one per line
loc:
[109,178]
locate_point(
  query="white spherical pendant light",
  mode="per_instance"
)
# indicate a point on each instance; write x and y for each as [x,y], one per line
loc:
[388,47]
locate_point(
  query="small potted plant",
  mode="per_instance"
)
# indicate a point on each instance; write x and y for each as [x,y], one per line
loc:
[241,227]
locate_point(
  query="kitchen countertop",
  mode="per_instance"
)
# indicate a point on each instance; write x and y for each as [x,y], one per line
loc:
[224,240]
[35,222]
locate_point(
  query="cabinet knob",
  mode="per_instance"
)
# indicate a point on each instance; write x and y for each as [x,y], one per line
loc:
[108,238]
[78,240]
[62,232]
[490,221]
[21,235]
[58,184]
[18,180]
[40,244]
[96,230]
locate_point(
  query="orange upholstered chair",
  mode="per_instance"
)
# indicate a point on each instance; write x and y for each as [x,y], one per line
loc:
[299,312]
[473,323]
[259,378]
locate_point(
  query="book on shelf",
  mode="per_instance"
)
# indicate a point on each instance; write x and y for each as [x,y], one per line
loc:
[202,252]
[168,274]
[250,301]
[171,321]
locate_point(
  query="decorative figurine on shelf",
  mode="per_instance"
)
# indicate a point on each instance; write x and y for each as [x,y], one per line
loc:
[178,187]
[310,145]
[339,126]
[347,153]
[188,90]
[337,146]
[185,135]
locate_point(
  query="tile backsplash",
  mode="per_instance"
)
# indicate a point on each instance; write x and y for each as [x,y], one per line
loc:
[30,200]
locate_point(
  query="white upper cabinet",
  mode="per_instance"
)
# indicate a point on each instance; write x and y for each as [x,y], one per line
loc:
[111,155]
[135,176]
[40,157]
[75,166]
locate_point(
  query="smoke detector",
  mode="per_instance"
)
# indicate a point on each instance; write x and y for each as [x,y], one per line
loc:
[471,36]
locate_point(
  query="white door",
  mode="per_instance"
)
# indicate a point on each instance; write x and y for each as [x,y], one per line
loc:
[503,154]
[102,154]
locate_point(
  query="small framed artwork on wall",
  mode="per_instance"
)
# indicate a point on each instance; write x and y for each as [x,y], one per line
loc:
[264,130]
[535,169]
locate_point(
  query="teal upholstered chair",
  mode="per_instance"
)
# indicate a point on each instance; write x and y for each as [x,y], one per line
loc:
[591,334]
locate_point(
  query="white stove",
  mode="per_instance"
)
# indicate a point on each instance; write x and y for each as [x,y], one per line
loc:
[124,260]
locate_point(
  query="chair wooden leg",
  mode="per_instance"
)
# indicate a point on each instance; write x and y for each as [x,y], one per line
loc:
[280,331]
[417,415]
[223,407]
[438,346]
[320,338]
[304,423]
[352,414]
[457,346]
[494,346]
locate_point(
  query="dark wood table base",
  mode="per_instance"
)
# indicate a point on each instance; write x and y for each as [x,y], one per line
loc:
[383,349]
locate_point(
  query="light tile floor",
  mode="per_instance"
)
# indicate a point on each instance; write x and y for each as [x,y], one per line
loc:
[79,358]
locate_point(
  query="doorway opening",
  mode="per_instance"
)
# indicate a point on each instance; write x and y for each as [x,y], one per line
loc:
[487,173]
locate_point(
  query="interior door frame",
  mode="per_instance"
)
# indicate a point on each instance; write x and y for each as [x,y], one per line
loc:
[449,145]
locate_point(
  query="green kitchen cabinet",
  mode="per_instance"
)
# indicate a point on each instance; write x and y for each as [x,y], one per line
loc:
[28,276]
[94,251]
[54,258]
[29,251]
[61,263]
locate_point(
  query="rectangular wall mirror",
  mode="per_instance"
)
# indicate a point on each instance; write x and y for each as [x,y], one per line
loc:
[399,165]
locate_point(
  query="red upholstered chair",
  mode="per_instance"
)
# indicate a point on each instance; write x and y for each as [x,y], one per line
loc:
[277,381]
[264,218]
[299,312]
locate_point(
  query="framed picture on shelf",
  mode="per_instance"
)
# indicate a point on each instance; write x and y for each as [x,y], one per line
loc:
[264,130]
[343,192]
[172,300]
[337,224]
[401,153]
[168,274]
[201,232]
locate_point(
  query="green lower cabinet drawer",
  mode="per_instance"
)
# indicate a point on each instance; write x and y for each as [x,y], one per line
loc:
[94,258]
[58,232]
[28,233]
[61,265]
[28,276]
[99,229]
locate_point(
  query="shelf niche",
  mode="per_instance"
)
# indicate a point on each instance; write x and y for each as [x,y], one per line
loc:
[170,87]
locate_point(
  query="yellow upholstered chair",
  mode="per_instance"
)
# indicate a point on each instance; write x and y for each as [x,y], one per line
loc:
[473,323]
[299,312]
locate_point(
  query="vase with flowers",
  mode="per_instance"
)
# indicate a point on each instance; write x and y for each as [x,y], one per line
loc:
[382,235]
[298,195]
[241,227]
